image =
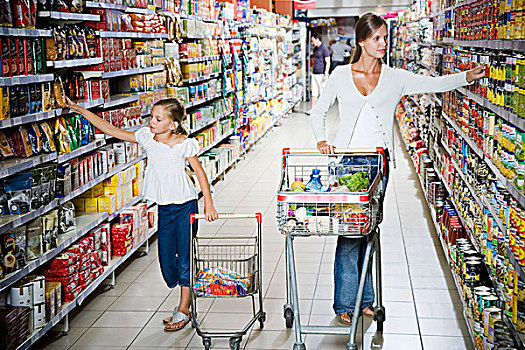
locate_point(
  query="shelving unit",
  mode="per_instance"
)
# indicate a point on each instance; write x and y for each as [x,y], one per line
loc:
[85,223]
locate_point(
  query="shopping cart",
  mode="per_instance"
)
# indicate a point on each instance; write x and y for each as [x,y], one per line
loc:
[226,267]
[354,211]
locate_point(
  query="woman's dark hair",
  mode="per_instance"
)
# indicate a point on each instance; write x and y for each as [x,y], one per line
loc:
[367,25]
[176,111]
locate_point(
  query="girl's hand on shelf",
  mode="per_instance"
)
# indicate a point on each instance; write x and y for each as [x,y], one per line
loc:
[210,212]
[476,73]
[325,148]
[72,105]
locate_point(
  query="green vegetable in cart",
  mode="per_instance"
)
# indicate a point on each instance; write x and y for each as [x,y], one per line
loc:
[355,182]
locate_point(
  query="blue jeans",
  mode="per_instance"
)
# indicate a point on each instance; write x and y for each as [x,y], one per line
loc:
[174,242]
[348,265]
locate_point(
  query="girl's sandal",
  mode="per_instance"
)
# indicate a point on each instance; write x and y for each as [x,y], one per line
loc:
[169,319]
[179,321]
[345,318]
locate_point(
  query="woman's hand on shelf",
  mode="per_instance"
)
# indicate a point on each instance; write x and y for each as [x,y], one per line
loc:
[476,73]
[325,148]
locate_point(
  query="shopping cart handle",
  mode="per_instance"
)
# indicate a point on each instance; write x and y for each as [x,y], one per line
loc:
[257,216]
[336,150]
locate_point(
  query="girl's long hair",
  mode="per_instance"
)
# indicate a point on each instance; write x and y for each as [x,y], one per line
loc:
[176,112]
[367,25]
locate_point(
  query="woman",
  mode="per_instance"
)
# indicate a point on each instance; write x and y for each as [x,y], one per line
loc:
[368,92]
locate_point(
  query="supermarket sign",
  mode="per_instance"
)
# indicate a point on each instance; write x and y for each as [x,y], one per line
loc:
[305,4]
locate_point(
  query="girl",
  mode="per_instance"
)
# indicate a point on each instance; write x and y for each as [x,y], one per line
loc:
[168,148]
[368,92]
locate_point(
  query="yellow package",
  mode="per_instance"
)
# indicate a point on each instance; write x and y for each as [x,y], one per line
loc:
[115,180]
[6,110]
[107,203]
[97,190]
[91,205]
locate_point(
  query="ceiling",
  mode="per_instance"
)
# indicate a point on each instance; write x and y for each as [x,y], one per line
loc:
[343,8]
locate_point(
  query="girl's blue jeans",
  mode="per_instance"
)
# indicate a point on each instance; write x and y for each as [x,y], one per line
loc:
[174,242]
[348,265]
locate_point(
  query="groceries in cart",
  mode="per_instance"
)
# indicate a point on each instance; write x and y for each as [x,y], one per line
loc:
[220,281]
[352,174]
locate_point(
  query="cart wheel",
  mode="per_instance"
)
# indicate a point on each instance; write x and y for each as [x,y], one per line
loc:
[379,317]
[262,319]
[235,343]
[207,343]
[288,316]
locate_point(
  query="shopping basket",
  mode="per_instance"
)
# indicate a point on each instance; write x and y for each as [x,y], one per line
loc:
[226,267]
[348,204]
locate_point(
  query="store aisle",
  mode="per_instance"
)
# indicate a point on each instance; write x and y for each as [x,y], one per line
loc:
[422,306]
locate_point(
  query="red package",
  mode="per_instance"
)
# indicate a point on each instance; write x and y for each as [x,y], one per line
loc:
[13,56]
[121,229]
[83,275]
[19,142]
[97,272]
[20,59]
[104,88]
[77,249]
[61,272]
[63,260]
[65,280]
[86,282]
[70,287]
[120,238]
[21,13]
[121,251]
[69,297]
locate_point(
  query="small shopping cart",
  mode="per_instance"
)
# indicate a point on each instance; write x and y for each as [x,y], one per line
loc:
[224,266]
[349,204]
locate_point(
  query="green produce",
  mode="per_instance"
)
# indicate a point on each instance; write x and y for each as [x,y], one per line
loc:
[355,182]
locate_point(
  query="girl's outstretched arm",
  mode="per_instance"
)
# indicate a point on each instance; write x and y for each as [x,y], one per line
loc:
[101,124]
[209,209]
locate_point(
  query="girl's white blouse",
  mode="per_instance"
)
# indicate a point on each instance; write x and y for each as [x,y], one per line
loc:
[166,181]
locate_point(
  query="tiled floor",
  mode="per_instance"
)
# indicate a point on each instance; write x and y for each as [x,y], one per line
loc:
[422,306]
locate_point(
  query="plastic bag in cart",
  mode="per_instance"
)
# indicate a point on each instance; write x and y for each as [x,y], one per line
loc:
[221,282]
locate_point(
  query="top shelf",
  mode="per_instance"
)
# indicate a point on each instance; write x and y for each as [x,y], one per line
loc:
[4,31]
[64,16]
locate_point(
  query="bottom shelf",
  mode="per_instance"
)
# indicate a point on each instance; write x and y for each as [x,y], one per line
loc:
[68,307]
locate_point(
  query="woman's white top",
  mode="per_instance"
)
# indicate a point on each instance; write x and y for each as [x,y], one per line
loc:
[393,83]
[367,133]
[166,180]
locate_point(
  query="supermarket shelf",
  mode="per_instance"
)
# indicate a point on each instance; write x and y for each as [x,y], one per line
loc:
[460,172]
[142,11]
[68,307]
[195,36]
[105,5]
[26,79]
[28,118]
[221,138]
[504,114]
[199,79]
[134,201]
[200,102]
[84,224]
[519,269]
[211,122]
[516,45]
[121,73]
[9,222]
[132,35]
[81,150]
[74,63]
[99,179]
[66,16]
[188,16]
[464,135]
[87,105]
[199,59]
[121,99]
[5,31]
[13,166]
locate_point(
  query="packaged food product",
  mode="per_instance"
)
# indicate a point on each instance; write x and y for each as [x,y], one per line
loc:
[6,65]
[19,142]
[35,137]
[48,143]
[5,149]
[58,93]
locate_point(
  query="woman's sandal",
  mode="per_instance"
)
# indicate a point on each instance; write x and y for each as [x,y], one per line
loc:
[178,322]
[169,319]
[368,312]
[345,318]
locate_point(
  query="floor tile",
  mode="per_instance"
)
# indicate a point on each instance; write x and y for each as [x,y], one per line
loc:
[449,343]
[443,327]
[140,289]
[108,337]
[120,319]
[83,318]
[98,303]
[136,304]
[439,310]
[392,342]
[271,340]
[154,337]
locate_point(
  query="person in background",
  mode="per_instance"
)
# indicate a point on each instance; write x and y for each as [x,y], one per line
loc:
[338,50]
[368,92]
[321,67]
[168,148]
